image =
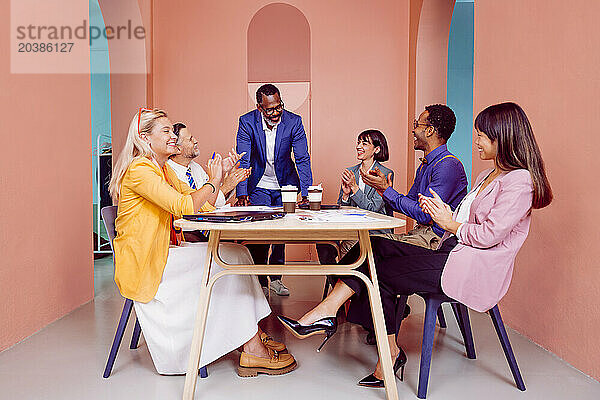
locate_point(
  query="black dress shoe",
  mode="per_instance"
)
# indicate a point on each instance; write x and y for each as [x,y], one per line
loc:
[326,326]
[372,381]
[371,340]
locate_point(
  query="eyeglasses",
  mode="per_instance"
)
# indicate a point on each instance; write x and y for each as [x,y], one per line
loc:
[271,110]
[416,124]
[140,118]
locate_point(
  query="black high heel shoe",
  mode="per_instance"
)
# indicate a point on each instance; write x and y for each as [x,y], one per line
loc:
[326,326]
[372,381]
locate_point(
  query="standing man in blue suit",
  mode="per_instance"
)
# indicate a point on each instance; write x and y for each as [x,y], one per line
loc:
[267,136]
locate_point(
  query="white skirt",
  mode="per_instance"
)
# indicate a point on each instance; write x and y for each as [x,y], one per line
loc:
[237,303]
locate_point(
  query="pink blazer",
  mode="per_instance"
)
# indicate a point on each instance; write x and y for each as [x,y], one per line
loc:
[479,269]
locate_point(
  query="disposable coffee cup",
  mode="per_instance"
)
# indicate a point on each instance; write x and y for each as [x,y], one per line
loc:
[315,195]
[289,196]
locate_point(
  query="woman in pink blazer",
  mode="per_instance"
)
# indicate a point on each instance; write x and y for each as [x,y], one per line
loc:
[475,259]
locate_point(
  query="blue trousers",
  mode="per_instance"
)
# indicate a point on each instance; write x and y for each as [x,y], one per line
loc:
[259,252]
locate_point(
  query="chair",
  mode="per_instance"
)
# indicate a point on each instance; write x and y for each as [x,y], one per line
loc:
[433,304]
[109,215]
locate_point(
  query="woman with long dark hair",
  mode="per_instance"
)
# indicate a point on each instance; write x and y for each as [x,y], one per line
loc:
[475,259]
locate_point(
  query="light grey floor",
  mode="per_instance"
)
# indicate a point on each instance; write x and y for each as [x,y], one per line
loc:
[66,360]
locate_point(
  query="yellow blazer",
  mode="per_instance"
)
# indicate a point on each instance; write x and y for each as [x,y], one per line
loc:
[143,226]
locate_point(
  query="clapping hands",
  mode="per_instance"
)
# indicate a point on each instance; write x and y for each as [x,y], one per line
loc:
[376,179]
[232,160]
[440,212]
[235,176]
[215,169]
[349,181]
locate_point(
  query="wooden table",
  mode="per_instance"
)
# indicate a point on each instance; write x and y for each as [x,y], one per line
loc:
[290,229]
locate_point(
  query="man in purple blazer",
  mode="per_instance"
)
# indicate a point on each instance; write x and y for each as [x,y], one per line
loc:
[268,136]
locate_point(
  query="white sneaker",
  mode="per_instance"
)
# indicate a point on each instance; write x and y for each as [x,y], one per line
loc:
[279,288]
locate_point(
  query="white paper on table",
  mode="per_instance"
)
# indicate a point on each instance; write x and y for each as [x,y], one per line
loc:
[347,216]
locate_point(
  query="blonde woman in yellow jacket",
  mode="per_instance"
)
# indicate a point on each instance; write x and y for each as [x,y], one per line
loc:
[163,280]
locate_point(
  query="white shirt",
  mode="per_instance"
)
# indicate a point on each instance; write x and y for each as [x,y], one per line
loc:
[464,208]
[269,179]
[361,184]
[200,178]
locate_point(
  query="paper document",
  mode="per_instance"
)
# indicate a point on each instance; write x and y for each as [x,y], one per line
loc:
[345,216]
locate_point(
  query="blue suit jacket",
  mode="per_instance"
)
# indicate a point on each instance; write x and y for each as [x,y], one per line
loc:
[290,136]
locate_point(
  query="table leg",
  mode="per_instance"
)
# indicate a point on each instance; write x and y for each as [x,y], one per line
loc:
[383,347]
[192,371]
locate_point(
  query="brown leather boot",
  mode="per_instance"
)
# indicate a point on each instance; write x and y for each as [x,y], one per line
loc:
[275,364]
[270,343]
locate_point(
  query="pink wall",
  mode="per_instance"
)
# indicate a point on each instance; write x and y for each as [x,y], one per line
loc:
[46,195]
[432,53]
[279,23]
[414,13]
[546,59]
[428,61]
[431,68]
[207,87]
[130,63]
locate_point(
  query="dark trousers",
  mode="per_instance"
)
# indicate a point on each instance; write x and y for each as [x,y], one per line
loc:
[327,254]
[259,252]
[402,269]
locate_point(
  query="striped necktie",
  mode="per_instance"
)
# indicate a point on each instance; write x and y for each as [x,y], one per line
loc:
[192,183]
[190,178]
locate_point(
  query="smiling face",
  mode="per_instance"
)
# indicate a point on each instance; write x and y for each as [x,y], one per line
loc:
[420,131]
[365,150]
[162,140]
[271,107]
[487,149]
[188,144]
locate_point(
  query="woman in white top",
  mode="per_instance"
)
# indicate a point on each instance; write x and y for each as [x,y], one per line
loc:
[371,151]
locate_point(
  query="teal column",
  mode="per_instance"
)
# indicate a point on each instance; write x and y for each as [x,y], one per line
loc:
[100,88]
[460,81]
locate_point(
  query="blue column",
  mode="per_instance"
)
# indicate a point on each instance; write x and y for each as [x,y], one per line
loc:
[460,81]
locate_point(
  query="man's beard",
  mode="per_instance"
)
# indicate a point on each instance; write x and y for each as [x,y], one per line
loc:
[191,155]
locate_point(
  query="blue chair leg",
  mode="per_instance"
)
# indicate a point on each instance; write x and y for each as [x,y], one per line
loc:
[135,338]
[431,307]
[466,331]
[458,318]
[118,337]
[505,342]
[203,372]
[441,318]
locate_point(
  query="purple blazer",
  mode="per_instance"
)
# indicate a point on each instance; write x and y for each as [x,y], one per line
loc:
[479,269]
